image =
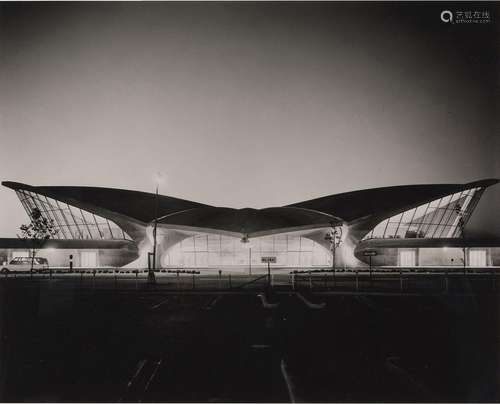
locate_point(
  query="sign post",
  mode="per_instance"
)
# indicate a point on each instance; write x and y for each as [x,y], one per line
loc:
[370,254]
[268,261]
[250,261]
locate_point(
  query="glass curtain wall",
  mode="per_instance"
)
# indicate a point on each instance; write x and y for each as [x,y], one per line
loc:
[215,250]
[72,222]
[441,218]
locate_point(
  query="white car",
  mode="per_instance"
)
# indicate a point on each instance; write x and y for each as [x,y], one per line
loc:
[23,264]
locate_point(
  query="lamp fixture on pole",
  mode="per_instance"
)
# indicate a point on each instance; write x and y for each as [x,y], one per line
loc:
[152,268]
[334,236]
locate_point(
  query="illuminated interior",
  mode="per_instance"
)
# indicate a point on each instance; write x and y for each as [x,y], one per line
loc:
[214,250]
[72,223]
[441,218]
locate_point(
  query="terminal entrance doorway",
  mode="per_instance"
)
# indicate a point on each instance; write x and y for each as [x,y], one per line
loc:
[407,258]
[88,259]
[477,258]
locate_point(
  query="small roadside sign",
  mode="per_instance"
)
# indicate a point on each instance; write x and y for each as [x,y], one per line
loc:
[268,261]
[370,253]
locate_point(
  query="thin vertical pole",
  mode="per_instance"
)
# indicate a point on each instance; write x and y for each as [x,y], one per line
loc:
[151,275]
[155,227]
[268,274]
[334,246]
[371,280]
[465,260]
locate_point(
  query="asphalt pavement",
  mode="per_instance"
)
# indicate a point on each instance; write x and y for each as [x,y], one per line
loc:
[76,344]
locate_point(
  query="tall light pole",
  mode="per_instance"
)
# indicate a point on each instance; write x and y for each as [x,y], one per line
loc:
[461,226]
[335,238]
[461,223]
[246,242]
[151,274]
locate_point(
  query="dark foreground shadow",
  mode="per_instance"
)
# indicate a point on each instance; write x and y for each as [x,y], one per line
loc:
[62,345]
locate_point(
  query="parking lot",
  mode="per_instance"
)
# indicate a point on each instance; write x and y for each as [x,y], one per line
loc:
[65,343]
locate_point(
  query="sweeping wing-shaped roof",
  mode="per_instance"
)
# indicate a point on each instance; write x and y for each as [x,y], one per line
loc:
[173,212]
[355,205]
[134,204]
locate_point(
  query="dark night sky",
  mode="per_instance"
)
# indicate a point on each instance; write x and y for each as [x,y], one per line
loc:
[247,104]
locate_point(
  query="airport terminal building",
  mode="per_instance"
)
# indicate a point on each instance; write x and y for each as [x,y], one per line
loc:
[409,226]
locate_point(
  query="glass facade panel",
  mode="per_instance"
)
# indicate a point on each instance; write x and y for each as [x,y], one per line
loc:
[213,242]
[213,258]
[202,259]
[226,258]
[438,218]
[306,244]
[396,219]
[478,258]
[188,244]
[434,203]
[280,243]
[189,259]
[391,229]
[430,230]
[293,243]
[446,216]
[443,217]
[306,258]
[201,243]
[215,251]
[420,212]
[378,231]
[402,231]
[267,244]
[70,221]
[293,259]
[227,244]
[408,215]
[281,258]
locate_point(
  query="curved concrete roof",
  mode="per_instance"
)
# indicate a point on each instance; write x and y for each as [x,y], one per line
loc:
[251,222]
[134,204]
[321,212]
[359,204]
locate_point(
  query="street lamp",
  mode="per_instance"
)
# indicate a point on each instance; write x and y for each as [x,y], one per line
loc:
[245,240]
[335,238]
[461,225]
[151,275]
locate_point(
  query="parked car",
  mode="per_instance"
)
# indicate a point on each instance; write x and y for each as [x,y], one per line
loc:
[23,264]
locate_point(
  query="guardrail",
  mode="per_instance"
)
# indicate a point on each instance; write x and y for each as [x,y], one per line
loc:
[316,282]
